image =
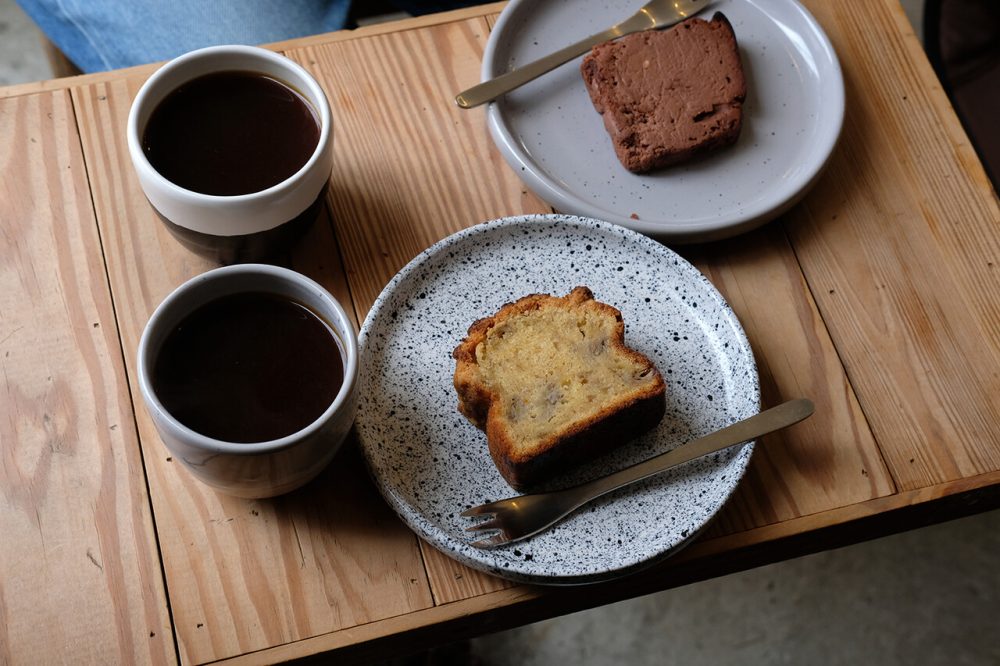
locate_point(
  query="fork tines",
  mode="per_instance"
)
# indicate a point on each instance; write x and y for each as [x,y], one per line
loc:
[497,539]
[482,509]
[491,522]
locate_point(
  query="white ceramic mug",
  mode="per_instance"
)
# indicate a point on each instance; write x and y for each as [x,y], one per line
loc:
[243,227]
[260,469]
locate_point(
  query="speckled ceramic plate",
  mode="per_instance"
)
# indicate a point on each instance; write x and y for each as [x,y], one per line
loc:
[551,136]
[430,463]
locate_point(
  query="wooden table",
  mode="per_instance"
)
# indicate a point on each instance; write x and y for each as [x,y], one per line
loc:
[878,296]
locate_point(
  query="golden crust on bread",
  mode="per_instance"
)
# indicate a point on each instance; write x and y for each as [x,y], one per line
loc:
[553,384]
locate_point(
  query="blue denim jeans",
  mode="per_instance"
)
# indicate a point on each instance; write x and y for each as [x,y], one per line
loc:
[108,34]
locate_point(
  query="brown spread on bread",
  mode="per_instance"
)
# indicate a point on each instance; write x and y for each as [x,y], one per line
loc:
[668,96]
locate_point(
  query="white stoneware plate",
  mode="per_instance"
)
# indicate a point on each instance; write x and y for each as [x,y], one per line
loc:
[430,463]
[551,136]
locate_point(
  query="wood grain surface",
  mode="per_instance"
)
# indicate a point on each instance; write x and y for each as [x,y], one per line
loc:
[877,296]
[900,244]
[242,575]
[411,168]
[831,459]
[80,578]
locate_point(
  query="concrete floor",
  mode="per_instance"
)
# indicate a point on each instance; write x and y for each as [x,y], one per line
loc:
[931,596]
[21,56]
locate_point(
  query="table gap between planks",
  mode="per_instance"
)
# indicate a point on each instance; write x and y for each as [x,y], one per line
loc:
[876,297]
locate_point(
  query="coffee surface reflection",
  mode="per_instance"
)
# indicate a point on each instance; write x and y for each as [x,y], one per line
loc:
[231,133]
[249,367]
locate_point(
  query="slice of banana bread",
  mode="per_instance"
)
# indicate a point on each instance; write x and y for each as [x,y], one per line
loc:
[667,96]
[552,383]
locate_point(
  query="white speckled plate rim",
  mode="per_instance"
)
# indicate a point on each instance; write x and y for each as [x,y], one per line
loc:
[485,560]
[702,179]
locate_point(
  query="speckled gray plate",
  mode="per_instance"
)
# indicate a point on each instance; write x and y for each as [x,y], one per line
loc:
[430,463]
[551,136]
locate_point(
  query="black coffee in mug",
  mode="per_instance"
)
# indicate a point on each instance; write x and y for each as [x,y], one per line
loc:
[249,367]
[230,133]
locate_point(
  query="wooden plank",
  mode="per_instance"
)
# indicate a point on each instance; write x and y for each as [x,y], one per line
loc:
[829,461]
[69,82]
[520,605]
[452,581]
[242,575]
[411,168]
[81,579]
[900,243]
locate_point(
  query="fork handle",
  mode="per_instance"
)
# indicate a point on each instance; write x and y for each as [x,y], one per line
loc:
[785,414]
[488,91]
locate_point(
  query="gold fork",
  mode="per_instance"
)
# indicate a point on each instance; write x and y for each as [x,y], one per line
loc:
[519,517]
[655,14]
